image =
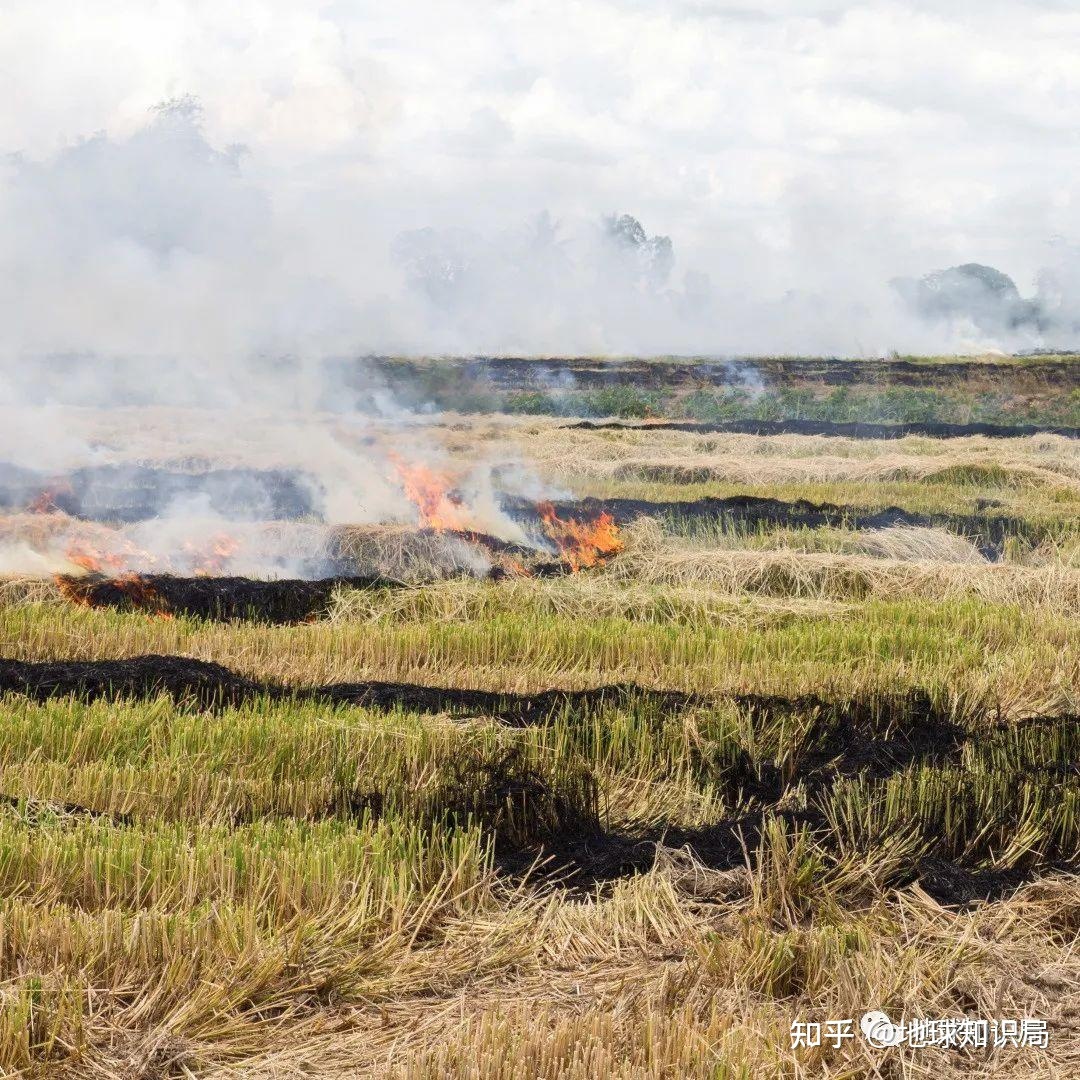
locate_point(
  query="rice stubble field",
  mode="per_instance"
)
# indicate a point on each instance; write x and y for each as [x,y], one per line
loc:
[756,766]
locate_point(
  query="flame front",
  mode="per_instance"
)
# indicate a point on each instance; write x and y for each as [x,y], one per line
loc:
[581,543]
[119,557]
[100,551]
[208,562]
[439,506]
[92,560]
[138,591]
[45,502]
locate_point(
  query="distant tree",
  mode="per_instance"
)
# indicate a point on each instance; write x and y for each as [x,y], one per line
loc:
[653,256]
[435,261]
[185,110]
[982,294]
[626,230]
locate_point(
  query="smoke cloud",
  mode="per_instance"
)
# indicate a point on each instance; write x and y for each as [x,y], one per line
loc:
[139,266]
[202,205]
[444,180]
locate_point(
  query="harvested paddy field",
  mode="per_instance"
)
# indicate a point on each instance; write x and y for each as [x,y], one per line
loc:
[699,734]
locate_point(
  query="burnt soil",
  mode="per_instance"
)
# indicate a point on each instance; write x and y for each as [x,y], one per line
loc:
[139,677]
[851,738]
[599,858]
[987,532]
[280,602]
[881,736]
[831,428]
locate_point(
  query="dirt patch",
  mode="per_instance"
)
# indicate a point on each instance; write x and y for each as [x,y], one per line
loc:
[599,857]
[854,430]
[953,885]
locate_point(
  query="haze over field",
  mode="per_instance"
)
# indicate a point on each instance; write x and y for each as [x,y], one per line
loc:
[346,178]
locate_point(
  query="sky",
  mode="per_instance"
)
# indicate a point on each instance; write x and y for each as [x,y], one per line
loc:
[370,176]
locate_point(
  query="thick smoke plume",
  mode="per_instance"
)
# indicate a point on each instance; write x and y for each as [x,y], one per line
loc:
[185,277]
[198,299]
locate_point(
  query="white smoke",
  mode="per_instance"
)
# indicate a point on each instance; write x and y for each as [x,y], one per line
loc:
[151,268]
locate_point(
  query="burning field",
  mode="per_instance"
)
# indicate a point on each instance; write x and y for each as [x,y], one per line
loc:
[228,544]
[510,746]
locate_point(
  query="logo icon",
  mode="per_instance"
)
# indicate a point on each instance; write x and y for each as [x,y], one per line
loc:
[880,1031]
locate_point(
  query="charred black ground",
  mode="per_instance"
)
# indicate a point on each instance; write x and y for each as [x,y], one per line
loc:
[874,743]
[597,858]
[854,430]
[748,512]
[207,684]
[280,601]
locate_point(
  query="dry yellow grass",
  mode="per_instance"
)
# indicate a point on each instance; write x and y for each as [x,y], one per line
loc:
[1036,477]
[926,563]
[570,454]
[335,946]
[661,982]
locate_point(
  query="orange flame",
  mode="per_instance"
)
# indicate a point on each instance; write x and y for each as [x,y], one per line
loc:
[440,507]
[134,586]
[206,563]
[70,591]
[581,543]
[141,593]
[101,551]
[99,561]
[45,501]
